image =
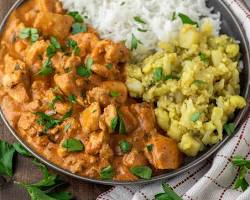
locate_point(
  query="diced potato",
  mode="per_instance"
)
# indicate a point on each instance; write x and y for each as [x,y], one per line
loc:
[217,119]
[190,145]
[232,50]
[189,35]
[135,87]
[216,57]
[162,118]
[238,101]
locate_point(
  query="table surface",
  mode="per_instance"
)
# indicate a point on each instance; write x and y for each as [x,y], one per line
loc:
[25,171]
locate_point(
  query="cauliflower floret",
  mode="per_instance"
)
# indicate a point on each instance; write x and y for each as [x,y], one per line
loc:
[162,118]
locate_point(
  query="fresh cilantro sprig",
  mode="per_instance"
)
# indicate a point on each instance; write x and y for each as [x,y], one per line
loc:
[244,166]
[46,69]
[187,20]
[118,124]
[168,194]
[31,33]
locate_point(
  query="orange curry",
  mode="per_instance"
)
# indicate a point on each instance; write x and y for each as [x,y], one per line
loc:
[63,91]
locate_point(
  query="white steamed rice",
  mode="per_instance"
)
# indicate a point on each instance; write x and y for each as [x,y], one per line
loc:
[114,19]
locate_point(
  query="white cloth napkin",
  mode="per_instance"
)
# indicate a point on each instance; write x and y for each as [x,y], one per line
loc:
[213,179]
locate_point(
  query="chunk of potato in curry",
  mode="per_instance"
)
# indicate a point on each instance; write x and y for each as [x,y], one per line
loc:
[77,93]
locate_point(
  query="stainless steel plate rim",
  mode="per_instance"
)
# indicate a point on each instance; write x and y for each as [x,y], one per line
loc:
[165,176]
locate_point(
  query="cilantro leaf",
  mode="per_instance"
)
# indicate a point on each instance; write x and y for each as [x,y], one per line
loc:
[134,42]
[55,42]
[144,172]
[150,147]
[125,146]
[47,68]
[21,150]
[107,173]
[74,46]
[89,63]
[158,73]
[37,194]
[114,123]
[142,30]
[199,83]
[109,66]
[79,28]
[241,162]
[73,145]
[24,33]
[168,194]
[56,99]
[186,20]
[6,158]
[77,17]
[196,116]
[241,182]
[114,94]
[139,20]
[122,128]
[83,71]
[31,33]
[203,57]
[72,98]
[229,128]
[61,195]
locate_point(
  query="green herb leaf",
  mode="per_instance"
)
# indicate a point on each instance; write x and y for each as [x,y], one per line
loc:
[79,28]
[72,98]
[196,116]
[74,46]
[73,145]
[203,57]
[77,17]
[173,16]
[6,158]
[239,161]
[56,99]
[168,194]
[67,127]
[55,42]
[122,128]
[171,77]
[241,182]
[158,73]
[122,3]
[229,128]
[31,33]
[134,42]
[114,123]
[107,173]
[24,33]
[139,20]
[125,146]
[37,194]
[47,68]
[61,195]
[109,66]
[199,83]
[150,147]
[83,71]
[21,150]
[186,20]
[89,63]
[51,51]
[142,30]
[144,172]
[114,94]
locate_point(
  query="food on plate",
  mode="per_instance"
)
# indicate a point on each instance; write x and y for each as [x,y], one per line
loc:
[194,80]
[105,108]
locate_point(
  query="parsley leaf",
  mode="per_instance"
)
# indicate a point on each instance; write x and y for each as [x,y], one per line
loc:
[72,98]
[73,145]
[186,20]
[134,42]
[158,73]
[150,147]
[142,30]
[144,172]
[125,146]
[77,17]
[229,128]
[168,194]
[31,33]
[6,158]
[241,182]
[196,116]
[79,28]
[241,162]
[139,20]
[61,195]
[83,71]
[35,193]
[21,150]
[47,68]
[55,42]
[74,46]
[107,173]
[114,123]
[203,57]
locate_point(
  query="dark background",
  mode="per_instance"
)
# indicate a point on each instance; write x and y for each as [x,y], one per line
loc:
[25,171]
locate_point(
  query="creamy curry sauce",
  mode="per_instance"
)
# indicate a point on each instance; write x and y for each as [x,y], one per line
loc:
[51,100]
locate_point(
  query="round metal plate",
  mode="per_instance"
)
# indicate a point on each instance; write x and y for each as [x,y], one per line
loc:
[231,26]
